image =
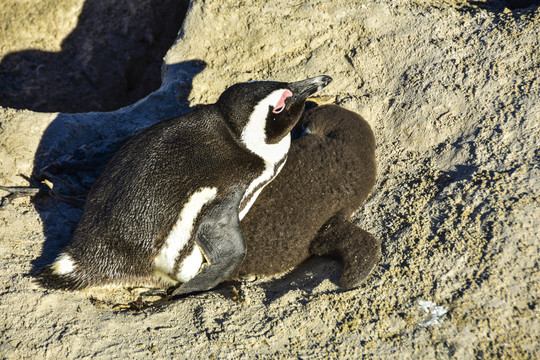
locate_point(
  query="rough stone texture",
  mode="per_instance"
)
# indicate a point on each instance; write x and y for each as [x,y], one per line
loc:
[78,56]
[453,95]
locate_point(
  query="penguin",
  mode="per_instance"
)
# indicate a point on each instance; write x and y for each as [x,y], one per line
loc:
[306,210]
[165,211]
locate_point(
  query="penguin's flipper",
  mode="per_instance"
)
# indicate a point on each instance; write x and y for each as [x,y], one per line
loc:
[358,250]
[220,238]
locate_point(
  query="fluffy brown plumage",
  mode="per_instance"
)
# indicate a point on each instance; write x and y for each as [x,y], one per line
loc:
[305,211]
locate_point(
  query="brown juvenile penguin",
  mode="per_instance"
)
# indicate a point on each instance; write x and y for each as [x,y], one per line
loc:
[305,211]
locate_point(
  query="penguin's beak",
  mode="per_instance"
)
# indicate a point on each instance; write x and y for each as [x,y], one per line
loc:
[304,88]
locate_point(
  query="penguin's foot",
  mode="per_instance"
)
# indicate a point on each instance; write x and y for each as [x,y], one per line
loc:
[358,250]
[15,192]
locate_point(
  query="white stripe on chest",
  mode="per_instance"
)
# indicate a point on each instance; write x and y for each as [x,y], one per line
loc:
[180,235]
[254,138]
[268,175]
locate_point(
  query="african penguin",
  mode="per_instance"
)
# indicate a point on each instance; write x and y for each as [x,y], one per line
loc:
[305,211]
[166,209]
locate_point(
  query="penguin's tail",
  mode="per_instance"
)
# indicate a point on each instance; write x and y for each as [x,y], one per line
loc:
[61,274]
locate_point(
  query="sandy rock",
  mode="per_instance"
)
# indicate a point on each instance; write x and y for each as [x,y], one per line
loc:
[452,93]
[79,56]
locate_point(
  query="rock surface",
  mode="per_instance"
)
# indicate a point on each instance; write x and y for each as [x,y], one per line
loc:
[453,95]
[79,56]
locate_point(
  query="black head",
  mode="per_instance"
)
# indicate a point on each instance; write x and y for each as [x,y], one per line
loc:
[264,112]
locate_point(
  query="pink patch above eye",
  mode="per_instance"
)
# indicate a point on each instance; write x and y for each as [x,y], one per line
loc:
[281,103]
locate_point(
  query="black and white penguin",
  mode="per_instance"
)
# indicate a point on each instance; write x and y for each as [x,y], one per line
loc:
[166,209]
[306,210]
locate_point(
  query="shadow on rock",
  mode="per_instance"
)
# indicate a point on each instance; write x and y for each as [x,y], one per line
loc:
[75,148]
[516,6]
[306,277]
[111,59]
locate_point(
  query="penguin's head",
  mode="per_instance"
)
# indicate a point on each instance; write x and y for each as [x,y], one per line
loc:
[262,113]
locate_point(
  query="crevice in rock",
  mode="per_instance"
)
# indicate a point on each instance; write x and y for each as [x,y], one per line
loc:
[521,4]
[500,5]
[112,59]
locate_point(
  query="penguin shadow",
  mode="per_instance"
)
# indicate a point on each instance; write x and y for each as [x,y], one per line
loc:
[111,59]
[75,148]
[306,277]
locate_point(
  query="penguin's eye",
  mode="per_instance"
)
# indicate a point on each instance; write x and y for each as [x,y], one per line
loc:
[280,106]
[277,110]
